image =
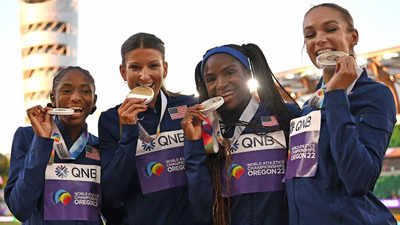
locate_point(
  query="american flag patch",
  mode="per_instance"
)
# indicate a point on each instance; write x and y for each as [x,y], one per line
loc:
[177,112]
[269,121]
[92,153]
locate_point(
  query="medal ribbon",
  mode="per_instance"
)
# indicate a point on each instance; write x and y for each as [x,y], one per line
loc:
[211,133]
[317,100]
[143,134]
[61,148]
[212,126]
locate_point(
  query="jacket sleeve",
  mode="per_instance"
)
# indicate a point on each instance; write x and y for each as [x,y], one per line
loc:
[358,145]
[117,155]
[200,187]
[25,184]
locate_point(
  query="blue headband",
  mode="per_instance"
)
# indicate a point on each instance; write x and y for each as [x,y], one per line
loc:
[228,50]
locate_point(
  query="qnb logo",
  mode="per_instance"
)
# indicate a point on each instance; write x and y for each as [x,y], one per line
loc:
[236,171]
[155,168]
[292,124]
[62,196]
[148,146]
[235,146]
[61,171]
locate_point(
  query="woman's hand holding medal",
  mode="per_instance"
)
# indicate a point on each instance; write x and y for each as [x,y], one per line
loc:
[135,102]
[129,110]
[191,123]
[40,120]
[345,74]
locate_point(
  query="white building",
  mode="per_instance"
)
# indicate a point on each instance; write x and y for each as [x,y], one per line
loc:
[49,31]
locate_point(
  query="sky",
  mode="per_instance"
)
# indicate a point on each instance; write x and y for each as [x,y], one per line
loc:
[188,28]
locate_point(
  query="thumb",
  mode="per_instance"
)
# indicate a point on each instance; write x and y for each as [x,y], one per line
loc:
[47,118]
[338,67]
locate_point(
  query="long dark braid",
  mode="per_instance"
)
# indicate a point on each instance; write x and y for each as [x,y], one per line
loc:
[221,208]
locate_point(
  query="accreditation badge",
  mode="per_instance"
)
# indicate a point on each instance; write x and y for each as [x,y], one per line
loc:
[160,162]
[258,164]
[72,192]
[303,145]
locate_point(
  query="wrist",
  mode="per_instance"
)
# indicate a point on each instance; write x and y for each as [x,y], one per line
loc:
[128,121]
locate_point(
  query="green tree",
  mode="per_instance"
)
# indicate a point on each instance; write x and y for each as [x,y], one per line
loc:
[387,186]
[395,139]
[4,168]
[4,165]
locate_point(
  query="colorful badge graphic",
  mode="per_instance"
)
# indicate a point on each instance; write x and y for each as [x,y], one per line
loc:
[236,171]
[155,168]
[61,171]
[62,196]
[56,137]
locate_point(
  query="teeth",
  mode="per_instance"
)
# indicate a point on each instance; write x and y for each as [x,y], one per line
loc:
[77,109]
[323,51]
[226,94]
[146,85]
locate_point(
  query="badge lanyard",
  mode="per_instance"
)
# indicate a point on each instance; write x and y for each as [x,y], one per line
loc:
[246,116]
[318,97]
[60,147]
[211,132]
[143,134]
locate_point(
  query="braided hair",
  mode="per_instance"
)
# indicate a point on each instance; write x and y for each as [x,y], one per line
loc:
[145,40]
[62,72]
[142,40]
[269,98]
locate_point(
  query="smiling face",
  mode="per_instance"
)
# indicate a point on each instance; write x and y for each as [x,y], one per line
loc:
[227,77]
[74,90]
[144,67]
[325,29]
